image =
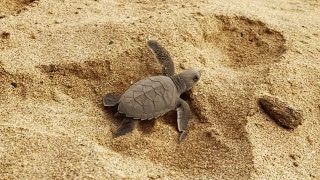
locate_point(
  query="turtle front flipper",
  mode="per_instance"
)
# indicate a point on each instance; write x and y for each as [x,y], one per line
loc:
[111,99]
[163,56]
[127,125]
[183,116]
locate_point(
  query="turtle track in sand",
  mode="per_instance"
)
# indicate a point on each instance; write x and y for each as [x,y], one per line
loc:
[92,79]
[78,79]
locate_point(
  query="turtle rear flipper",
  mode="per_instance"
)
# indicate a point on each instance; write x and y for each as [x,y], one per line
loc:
[111,99]
[127,125]
[183,116]
[163,57]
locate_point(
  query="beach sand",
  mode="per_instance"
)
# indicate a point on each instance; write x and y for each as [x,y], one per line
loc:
[58,58]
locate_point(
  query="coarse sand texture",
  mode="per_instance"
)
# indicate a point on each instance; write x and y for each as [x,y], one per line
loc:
[256,108]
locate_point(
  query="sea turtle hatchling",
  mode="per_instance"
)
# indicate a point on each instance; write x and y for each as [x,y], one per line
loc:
[156,95]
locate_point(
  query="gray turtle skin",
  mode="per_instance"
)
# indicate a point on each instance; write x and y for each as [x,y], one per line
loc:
[154,96]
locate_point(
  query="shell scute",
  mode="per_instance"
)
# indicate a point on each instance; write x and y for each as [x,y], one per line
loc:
[139,97]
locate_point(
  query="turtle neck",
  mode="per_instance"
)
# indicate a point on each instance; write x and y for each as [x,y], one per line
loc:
[180,84]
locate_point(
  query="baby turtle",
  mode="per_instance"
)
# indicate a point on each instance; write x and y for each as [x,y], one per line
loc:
[154,96]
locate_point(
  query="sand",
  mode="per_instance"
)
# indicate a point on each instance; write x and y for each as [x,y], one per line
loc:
[58,58]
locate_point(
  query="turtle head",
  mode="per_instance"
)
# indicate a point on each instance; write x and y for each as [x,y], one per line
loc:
[190,77]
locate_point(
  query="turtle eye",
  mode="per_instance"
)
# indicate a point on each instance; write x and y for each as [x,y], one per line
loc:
[195,78]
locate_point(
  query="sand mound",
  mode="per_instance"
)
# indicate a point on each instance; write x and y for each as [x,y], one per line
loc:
[57,60]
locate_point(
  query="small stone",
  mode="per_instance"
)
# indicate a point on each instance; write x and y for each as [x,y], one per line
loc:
[199,14]
[294,157]
[313,176]
[14,84]
[281,112]
[141,38]
[182,66]
[58,21]
[295,164]
[154,176]
[5,35]
[209,134]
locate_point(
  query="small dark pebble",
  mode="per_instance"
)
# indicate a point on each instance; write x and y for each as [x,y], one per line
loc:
[5,35]
[58,21]
[199,14]
[281,112]
[69,86]
[2,16]
[311,175]
[182,66]
[295,164]
[14,84]
[293,156]
[111,42]
[208,134]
